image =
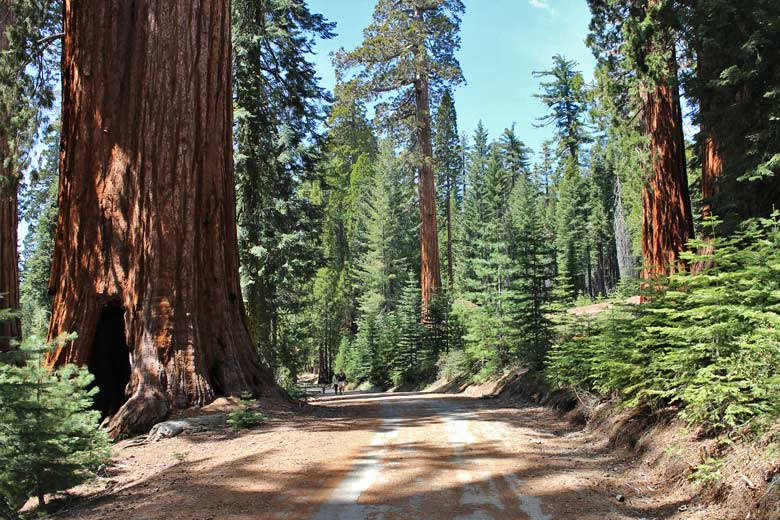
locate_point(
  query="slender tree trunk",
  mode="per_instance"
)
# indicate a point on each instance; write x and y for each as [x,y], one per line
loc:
[450,260]
[146,245]
[667,222]
[712,169]
[9,256]
[625,255]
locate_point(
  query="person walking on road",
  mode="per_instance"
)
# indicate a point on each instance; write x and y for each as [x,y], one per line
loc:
[341,382]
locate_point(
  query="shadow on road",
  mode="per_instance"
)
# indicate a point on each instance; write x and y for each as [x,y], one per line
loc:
[226,491]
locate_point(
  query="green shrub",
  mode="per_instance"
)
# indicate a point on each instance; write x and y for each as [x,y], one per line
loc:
[245,416]
[708,341]
[707,472]
[50,438]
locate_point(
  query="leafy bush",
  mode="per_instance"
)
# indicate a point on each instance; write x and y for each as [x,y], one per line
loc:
[246,416]
[50,438]
[708,341]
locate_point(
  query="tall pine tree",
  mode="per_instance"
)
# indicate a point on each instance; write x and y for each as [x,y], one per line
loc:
[409,50]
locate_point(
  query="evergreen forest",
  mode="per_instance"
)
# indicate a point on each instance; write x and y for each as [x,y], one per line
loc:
[187,212]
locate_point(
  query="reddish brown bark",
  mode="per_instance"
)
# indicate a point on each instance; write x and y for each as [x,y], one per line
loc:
[667,222]
[711,153]
[9,256]
[430,266]
[711,170]
[146,262]
[9,266]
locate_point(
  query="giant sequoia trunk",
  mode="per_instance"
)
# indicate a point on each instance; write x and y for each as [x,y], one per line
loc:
[667,222]
[9,264]
[430,266]
[146,262]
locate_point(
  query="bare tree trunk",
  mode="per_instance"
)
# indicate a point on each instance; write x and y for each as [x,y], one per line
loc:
[667,222]
[430,266]
[146,264]
[625,255]
[9,256]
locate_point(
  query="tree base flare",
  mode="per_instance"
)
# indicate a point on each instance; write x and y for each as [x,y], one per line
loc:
[143,410]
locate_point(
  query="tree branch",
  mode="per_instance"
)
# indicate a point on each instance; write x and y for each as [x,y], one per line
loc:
[43,42]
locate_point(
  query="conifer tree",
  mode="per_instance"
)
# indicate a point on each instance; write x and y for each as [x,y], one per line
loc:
[624,156]
[350,140]
[49,435]
[639,40]
[29,52]
[491,283]
[515,154]
[38,207]
[409,51]
[407,356]
[474,208]
[733,77]
[327,320]
[565,96]
[279,109]
[570,230]
[535,260]
[600,225]
[449,170]
[382,265]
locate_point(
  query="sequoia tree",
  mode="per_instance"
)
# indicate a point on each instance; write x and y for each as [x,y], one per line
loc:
[667,219]
[145,269]
[409,50]
[636,39]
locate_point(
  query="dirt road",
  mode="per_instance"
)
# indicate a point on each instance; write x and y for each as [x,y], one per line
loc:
[442,457]
[370,456]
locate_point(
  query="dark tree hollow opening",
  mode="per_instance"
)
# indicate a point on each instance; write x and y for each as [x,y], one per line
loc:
[110,361]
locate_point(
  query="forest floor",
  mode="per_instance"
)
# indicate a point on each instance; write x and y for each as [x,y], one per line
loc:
[381,456]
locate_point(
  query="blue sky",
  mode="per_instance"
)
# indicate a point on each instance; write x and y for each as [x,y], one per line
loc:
[503,42]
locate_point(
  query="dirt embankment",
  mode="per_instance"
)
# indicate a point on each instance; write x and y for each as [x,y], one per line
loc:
[665,463]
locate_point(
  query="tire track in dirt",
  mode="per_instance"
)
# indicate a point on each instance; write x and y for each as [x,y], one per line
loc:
[431,459]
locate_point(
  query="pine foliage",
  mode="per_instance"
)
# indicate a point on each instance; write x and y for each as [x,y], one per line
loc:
[707,342]
[49,435]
